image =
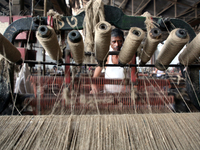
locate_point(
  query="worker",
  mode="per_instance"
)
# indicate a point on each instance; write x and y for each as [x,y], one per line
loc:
[117,39]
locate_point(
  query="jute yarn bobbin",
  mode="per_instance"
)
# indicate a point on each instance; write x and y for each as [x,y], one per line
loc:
[131,44]
[8,50]
[48,39]
[102,41]
[191,52]
[150,45]
[76,45]
[174,43]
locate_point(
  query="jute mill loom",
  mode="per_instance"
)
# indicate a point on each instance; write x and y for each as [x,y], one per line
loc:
[72,118]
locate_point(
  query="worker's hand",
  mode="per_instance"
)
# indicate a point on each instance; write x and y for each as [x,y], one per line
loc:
[94,89]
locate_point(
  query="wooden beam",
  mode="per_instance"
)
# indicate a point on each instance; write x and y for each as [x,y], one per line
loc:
[189,10]
[45,8]
[185,12]
[196,12]
[132,12]
[123,4]
[180,3]
[166,8]
[175,8]
[143,7]
[32,7]
[154,8]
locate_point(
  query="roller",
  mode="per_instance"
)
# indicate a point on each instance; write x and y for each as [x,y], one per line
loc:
[48,39]
[102,41]
[75,42]
[131,44]
[9,51]
[191,53]
[150,45]
[174,43]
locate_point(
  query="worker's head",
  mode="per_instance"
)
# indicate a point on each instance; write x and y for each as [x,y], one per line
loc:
[117,39]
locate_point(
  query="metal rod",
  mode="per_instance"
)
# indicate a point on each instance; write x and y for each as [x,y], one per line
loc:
[111,65]
[110,53]
[10,11]
[44,52]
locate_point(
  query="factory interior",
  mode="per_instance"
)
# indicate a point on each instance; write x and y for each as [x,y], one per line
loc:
[100,74]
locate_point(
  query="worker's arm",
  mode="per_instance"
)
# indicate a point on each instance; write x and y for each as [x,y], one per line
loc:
[97,72]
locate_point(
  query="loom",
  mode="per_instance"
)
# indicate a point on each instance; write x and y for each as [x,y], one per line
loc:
[142,115]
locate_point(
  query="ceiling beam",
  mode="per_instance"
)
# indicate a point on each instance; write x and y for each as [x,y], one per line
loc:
[123,4]
[173,1]
[193,8]
[185,12]
[142,8]
[166,8]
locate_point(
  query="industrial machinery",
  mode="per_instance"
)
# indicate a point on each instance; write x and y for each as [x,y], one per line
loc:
[71,93]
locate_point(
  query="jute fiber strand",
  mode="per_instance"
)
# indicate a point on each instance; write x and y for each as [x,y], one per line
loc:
[131,44]
[171,48]
[50,43]
[150,45]
[94,13]
[8,50]
[191,52]
[102,40]
[76,47]
[139,131]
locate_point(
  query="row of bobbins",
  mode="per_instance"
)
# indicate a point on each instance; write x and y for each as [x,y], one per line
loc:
[174,43]
[172,46]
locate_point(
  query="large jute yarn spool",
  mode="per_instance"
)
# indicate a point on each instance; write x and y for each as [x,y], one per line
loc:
[131,44]
[174,43]
[102,41]
[75,42]
[150,45]
[191,53]
[48,39]
[8,50]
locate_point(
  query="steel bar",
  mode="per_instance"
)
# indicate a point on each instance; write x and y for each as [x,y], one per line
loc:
[110,65]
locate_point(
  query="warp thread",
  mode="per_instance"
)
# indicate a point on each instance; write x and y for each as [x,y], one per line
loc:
[66,97]
[8,50]
[56,18]
[171,48]
[141,131]
[50,44]
[102,40]
[149,22]
[131,44]
[191,53]
[94,13]
[4,68]
[91,101]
